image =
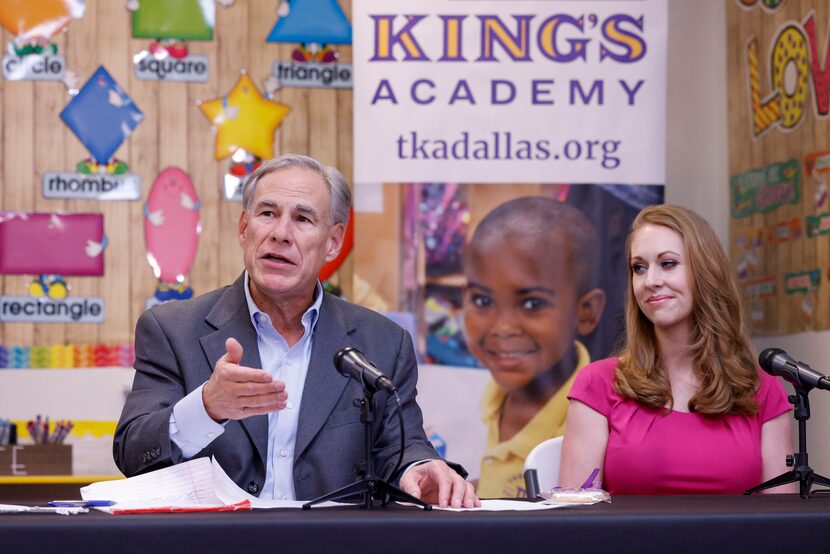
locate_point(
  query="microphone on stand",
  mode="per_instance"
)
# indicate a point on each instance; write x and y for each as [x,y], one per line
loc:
[777,362]
[351,363]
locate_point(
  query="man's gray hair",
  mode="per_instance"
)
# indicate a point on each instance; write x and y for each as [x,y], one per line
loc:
[341,195]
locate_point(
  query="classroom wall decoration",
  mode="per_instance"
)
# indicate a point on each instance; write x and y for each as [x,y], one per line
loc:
[172,133]
[244,123]
[171,24]
[102,116]
[172,226]
[779,100]
[316,25]
[51,246]
[173,19]
[31,55]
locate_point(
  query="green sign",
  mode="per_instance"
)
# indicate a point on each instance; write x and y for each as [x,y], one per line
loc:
[765,189]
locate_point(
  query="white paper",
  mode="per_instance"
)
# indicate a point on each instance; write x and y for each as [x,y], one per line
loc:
[506,505]
[200,482]
[182,485]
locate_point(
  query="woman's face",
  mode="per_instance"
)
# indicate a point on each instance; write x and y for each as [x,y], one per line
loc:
[660,277]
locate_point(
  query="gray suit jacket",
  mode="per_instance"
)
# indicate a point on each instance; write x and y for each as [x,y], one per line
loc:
[177,345]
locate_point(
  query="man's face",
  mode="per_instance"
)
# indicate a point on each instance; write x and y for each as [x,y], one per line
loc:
[286,237]
[520,307]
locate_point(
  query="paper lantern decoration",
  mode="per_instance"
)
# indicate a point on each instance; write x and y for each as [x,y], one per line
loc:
[175,19]
[102,116]
[51,243]
[243,119]
[319,21]
[31,20]
[171,231]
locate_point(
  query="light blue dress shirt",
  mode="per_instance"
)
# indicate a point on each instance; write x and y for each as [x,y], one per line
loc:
[192,429]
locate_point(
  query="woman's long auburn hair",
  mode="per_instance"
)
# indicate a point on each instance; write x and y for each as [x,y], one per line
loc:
[724,360]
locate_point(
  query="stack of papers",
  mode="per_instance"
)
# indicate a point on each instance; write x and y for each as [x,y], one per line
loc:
[198,485]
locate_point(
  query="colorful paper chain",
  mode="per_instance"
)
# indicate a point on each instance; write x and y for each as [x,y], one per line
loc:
[66,356]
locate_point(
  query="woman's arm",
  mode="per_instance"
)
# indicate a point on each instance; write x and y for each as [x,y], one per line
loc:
[586,436]
[776,443]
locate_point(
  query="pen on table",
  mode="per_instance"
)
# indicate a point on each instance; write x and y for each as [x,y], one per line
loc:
[589,482]
[81,503]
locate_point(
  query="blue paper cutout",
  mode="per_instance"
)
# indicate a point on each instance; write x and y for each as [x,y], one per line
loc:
[320,21]
[102,116]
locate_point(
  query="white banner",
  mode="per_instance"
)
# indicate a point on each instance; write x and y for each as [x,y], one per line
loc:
[510,91]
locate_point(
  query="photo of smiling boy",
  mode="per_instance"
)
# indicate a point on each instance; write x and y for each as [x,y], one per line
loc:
[530,269]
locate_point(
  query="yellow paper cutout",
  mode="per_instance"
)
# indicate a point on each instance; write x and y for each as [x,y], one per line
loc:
[243,119]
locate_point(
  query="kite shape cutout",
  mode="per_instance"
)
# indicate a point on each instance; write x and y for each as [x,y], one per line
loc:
[102,116]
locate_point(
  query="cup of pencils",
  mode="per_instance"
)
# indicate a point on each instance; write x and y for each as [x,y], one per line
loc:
[43,433]
[46,454]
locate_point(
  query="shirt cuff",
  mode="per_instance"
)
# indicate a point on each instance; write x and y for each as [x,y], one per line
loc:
[191,428]
[413,464]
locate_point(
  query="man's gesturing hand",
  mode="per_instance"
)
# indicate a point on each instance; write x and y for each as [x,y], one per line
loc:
[235,391]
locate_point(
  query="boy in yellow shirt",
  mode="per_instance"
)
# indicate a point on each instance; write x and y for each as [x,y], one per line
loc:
[531,288]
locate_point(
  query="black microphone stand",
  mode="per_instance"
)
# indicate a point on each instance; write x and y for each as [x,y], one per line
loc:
[371,487]
[801,473]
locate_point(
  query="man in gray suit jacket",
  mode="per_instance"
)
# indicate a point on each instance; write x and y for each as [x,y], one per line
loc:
[245,373]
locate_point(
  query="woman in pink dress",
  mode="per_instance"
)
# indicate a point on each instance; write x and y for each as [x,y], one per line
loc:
[684,409]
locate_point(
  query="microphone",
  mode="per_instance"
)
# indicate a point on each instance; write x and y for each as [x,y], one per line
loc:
[351,363]
[777,362]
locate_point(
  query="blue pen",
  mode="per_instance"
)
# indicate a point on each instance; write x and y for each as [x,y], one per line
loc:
[81,503]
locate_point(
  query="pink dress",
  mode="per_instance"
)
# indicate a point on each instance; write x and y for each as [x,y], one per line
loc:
[651,453]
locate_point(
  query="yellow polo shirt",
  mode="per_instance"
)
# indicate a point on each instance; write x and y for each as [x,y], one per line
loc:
[503,462]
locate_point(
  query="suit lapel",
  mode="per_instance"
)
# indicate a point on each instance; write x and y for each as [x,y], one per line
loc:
[231,318]
[323,385]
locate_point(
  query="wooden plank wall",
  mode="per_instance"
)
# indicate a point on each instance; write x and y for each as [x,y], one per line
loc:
[778,248]
[174,133]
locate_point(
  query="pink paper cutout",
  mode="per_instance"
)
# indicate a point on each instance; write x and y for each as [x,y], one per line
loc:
[172,225]
[51,243]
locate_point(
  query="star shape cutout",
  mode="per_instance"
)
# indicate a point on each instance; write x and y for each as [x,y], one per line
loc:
[244,119]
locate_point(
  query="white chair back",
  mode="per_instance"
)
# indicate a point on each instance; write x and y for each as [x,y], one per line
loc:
[544,458]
